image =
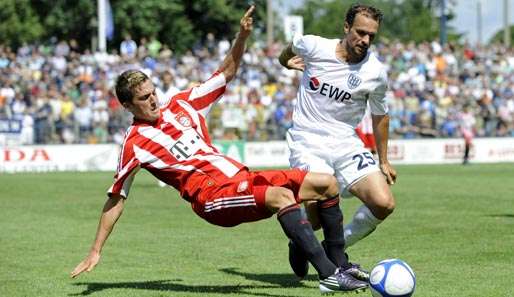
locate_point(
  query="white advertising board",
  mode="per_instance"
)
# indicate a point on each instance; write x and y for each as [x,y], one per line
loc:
[416,151]
[443,151]
[267,154]
[104,157]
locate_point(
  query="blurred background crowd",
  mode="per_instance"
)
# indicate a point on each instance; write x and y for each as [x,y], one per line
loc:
[63,95]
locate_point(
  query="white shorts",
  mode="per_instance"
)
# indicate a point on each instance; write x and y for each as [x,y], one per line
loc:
[347,159]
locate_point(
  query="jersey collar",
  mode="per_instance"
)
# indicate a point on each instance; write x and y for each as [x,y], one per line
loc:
[138,122]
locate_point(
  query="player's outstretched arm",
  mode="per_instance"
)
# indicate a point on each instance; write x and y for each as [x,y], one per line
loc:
[232,60]
[112,210]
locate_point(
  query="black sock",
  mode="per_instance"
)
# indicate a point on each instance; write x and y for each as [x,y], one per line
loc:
[331,220]
[299,230]
[466,152]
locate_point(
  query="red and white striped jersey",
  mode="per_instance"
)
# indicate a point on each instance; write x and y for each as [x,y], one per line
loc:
[177,148]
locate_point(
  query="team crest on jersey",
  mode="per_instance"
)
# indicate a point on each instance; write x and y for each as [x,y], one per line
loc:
[242,186]
[314,83]
[353,81]
[183,119]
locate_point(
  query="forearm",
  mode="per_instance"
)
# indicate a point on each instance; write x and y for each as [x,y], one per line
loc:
[285,55]
[381,133]
[233,59]
[112,210]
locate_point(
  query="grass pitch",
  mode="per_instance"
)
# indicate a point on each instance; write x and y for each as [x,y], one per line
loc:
[453,224]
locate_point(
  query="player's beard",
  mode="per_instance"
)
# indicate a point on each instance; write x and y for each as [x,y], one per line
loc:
[354,56]
[359,52]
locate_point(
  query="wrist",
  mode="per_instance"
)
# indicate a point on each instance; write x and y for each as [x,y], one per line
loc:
[93,253]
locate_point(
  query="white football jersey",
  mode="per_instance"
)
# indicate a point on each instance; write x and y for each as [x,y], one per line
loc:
[333,94]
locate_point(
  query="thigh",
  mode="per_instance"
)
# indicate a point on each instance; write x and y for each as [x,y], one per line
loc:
[373,190]
[318,186]
[352,165]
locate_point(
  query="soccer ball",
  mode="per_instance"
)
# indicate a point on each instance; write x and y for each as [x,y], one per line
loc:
[392,277]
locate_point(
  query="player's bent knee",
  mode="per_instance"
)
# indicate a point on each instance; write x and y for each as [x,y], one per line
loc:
[332,186]
[383,207]
[389,206]
[325,185]
[278,197]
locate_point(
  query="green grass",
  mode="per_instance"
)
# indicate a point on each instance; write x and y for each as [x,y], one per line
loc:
[453,224]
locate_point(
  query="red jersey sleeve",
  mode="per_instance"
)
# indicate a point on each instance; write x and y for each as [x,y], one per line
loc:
[205,95]
[128,166]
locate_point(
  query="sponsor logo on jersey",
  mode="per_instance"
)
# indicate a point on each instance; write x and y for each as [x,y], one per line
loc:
[353,81]
[183,119]
[314,83]
[330,91]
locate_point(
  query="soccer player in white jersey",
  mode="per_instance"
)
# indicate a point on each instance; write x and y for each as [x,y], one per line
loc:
[173,144]
[466,124]
[340,76]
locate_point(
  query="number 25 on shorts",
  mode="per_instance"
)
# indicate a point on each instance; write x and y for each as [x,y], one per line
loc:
[365,159]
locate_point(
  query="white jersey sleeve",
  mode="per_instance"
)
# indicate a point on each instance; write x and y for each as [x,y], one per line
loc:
[305,45]
[377,98]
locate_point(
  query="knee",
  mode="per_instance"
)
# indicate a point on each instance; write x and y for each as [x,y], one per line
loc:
[329,185]
[278,198]
[389,206]
[384,207]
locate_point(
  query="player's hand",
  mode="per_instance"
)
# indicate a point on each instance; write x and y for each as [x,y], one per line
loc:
[389,172]
[247,23]
[296,63]
[87,265]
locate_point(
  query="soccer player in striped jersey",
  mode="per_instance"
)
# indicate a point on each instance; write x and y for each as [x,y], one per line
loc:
[173,144]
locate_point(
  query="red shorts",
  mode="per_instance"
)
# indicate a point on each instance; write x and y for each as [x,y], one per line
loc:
[242,198]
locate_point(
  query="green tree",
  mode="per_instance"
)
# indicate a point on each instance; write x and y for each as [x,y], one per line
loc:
[18,23]
[178,23]
[65,19]
[181,23]
[498,36]
[163,19]
[221,17]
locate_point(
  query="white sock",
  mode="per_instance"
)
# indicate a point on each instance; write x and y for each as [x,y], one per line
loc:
[363,223]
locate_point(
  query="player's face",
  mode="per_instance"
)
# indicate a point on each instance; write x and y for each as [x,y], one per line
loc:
[360,35]
[144,105]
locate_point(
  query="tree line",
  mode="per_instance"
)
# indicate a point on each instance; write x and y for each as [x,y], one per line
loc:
[177,23]
[182,23]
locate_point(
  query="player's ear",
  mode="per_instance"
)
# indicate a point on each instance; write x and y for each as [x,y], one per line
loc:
[126,104]
[346,28]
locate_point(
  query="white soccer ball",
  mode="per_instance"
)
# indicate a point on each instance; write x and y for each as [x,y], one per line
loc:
[392,277]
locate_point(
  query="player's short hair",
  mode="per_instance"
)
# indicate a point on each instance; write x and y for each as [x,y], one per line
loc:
[126,84]
[366,10]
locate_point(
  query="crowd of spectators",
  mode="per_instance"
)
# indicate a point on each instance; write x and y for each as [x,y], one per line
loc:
[63,95]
